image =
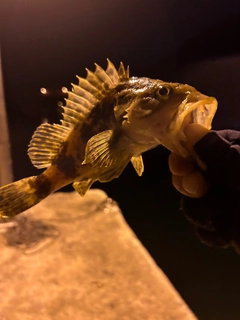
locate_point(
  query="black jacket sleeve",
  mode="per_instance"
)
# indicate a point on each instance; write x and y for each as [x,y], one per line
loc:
[220,151]
[216,216]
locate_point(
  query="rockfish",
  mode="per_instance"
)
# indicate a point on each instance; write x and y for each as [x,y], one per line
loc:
[109,119]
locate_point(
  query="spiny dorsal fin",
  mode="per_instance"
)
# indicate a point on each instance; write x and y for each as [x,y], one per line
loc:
[45,144]
[91,90]
[82,186]
[137,163]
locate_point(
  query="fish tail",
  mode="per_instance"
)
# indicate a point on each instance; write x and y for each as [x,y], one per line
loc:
[23,194]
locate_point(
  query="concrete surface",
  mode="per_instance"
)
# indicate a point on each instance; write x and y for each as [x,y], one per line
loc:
[76,258]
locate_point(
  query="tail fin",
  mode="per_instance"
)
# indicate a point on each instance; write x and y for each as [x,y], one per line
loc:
[23,194]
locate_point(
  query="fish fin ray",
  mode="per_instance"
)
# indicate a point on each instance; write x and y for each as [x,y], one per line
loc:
[137,163]
[98,152]
[17,197]
[115,171]
[45,144]
[82,186]
[66,124]
[94,80]
[127,72]
[104,77]
[83,93]
[109,161]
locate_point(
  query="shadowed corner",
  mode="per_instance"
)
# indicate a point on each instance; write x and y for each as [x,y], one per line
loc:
[6,172]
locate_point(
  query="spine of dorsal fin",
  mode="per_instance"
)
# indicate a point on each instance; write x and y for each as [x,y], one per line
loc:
[104,77]
[83,93]
[112,72]
[93,79]
[123,74]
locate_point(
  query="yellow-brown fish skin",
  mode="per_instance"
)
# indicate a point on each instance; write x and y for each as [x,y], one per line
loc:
[109,119]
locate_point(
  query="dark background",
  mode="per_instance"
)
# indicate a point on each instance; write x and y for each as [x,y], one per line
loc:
[46,43]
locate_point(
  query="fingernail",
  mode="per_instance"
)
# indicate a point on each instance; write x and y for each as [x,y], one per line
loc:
[190,185]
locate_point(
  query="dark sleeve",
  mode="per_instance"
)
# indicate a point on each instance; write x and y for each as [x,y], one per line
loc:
[220,151]
[216,216]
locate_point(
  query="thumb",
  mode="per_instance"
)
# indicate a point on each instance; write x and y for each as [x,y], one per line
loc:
[194,132]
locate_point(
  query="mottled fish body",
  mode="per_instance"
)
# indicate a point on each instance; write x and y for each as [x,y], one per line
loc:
[109,120]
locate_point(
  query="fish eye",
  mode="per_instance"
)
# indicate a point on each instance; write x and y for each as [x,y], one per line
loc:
[163,91]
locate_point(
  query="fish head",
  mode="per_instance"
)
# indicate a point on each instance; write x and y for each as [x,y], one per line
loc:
[158,112]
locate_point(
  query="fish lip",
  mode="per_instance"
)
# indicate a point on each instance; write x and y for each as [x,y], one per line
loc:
[196,108]
[203,110]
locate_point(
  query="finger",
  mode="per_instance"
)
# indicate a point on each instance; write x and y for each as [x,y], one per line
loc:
[177,183]
[193,132]
[178,165]
[195,184]
[192,185]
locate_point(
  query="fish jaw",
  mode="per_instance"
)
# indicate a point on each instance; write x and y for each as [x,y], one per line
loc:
[151,120]
[196,108]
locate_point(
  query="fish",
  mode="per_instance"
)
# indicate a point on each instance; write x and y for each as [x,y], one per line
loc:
[109,120]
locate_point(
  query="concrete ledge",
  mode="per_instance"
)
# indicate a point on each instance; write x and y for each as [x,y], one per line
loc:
[76,258]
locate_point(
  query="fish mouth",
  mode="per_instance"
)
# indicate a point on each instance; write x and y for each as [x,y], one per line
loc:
[196,108]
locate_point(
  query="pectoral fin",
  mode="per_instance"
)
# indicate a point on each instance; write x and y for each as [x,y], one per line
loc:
[99,152]
[137,163]
[115,171]
[108,153]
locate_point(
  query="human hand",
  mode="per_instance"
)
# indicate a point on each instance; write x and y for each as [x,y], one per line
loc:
[211,196]
[186,176]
